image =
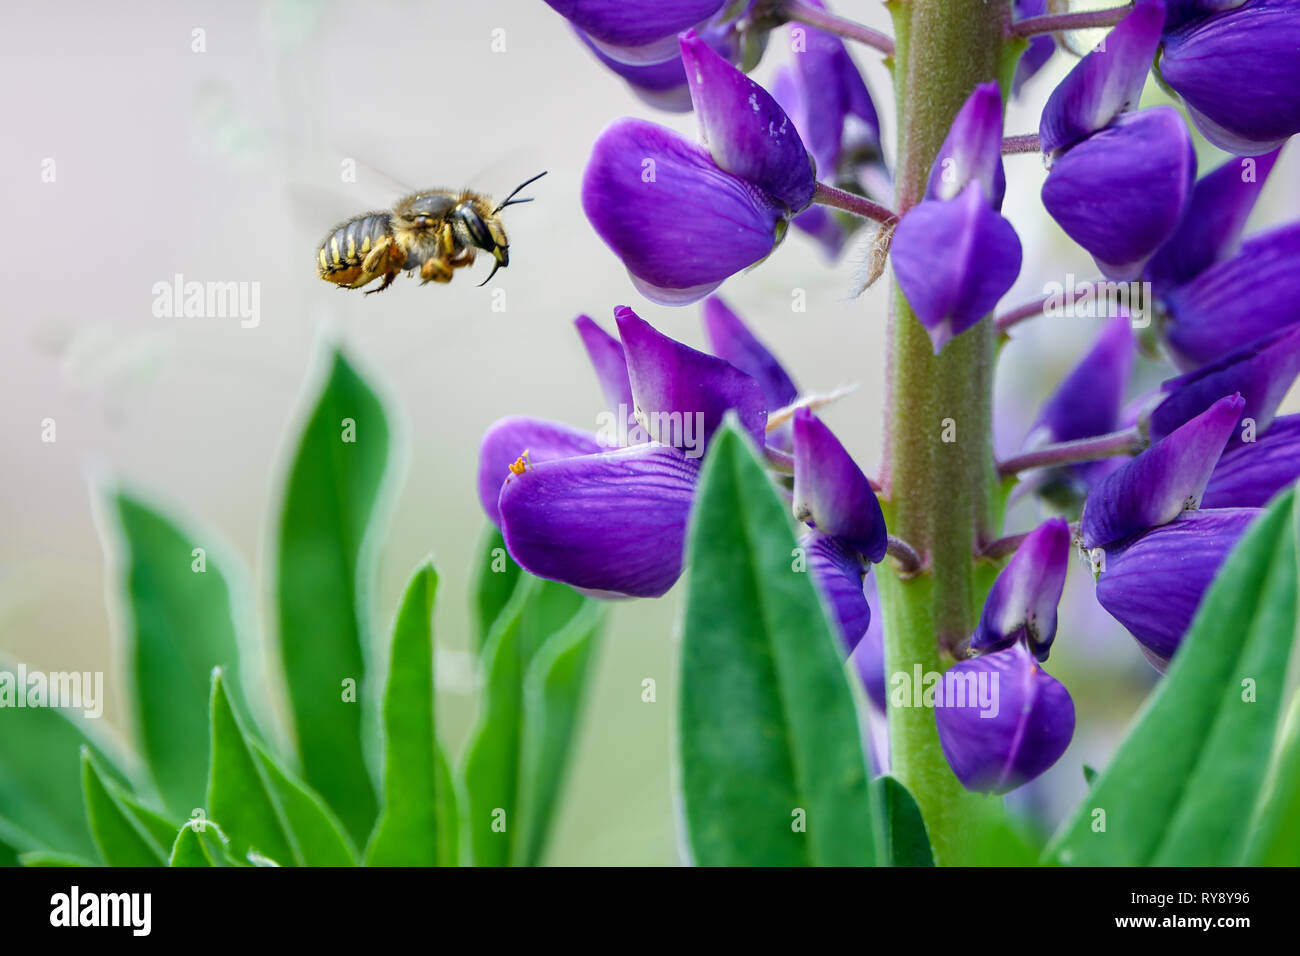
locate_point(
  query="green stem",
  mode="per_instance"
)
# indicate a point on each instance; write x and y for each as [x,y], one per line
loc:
[940,478]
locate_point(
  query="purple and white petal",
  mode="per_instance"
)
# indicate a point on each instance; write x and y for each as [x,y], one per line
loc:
[507,439]
[831,492]
[1251,474]
[1022,604]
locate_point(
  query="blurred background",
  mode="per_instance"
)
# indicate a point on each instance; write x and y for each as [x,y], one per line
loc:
[214,141]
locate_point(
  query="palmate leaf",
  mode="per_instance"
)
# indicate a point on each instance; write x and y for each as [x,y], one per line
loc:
[772,764]
[322,585]
[418,825]
[179,626]
[1185,784]
[533,665]
[259,806]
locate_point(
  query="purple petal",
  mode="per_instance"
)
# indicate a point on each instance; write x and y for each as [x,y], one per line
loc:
[1211,229]
[1262,372]
[1180,12]
[1154,585]
[972,151]
[1033,724]
[837,571]
[869,656]
[607,358]
[831,492]
[614,521]
[1250,474]
[661,85]
[681,395]
[1022,603]
[1041,49]
[1162,482]
[1239,74]
[679,223]
[507,439]
[954,260]
[1121,192]
[731,340]
[1104,83]
[1236,302]
[634,22]
[1088,402]
[747,133]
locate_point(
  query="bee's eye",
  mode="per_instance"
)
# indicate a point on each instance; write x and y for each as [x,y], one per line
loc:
[477,229]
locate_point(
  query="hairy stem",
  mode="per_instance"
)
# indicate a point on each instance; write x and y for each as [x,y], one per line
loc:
[829,22]
[852,202]
[1023,143]
[940,476]
[1082,20]
[1129,441]
[909,562]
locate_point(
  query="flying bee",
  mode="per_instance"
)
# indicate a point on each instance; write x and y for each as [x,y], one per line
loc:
[437,232]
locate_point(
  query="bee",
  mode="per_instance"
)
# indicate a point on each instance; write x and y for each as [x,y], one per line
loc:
[436,231]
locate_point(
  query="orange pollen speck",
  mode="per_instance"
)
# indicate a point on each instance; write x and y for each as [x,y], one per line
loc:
[520,464]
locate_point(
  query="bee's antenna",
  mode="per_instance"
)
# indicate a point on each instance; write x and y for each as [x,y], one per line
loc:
[495,266]
[511,201]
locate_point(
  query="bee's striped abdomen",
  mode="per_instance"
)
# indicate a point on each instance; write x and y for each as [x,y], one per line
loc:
[348,245]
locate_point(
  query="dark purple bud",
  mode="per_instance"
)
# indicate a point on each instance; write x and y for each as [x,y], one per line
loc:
[635,23]
[1026,733]
[1239,74]
[681,395]
[1216,215]
[1236,302]
[509,440]
[830,491]
[837,570]
[1022,603]
[954,260]
[972,151]
[730,339]
[612,522]
[1250,474]
[679,223]
[746,132]
[1155,584]
[1262,372]
[1121,192]
[1106,82]
[1162,482]
[607,358]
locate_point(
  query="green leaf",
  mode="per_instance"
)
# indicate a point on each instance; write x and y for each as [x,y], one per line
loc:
[40,774]
[772,766]
[48,858]
[537,610]
[189,851]
[1276,837]
[122,838]
[495,580]
[900,834]
[323,584]
[418,824]
[179,626]
[259,806]
[1089,775]
[552,698]
[1181,789]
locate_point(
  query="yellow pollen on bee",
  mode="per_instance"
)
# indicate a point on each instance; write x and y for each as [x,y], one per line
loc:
[334,248]
[365,245]
[352,247]
[324,263]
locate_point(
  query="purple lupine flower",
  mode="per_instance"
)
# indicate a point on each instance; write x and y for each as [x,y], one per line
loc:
[1032,726]
[730,339]
[869,656]
[1022,603]
[1162,482]
[1235,302]
[684,217]
[1121,192]
[830,491]
[954,255]
[1180,12]
[636,31]
[1154,585]
[1238,72]
[607,358]
[1216,216]
[1040,49]
[838,573]
[663,84]
[1087,403]
[1262,372]
[1250,474]
[1105,83]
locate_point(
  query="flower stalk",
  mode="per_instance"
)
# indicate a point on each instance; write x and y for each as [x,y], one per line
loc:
[852,202]
[1080,20]
[1127,441]
[940,476]
[840,26]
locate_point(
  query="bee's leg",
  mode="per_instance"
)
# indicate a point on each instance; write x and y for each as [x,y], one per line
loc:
[466,258]
[447,240]
[436,269]
[388,280]
[372,264]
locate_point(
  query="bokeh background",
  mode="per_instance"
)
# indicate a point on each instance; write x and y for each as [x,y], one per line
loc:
[227,165]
